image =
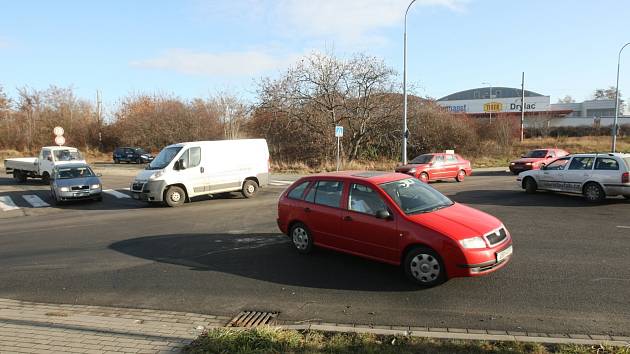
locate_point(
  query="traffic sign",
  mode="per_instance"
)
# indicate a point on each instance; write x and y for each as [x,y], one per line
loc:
[338,131]
[60,140]
[58,131]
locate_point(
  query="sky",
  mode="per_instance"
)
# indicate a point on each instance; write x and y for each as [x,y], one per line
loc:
[194,48]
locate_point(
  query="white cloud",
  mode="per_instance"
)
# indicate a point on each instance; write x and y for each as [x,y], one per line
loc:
[246,63]
[351,20]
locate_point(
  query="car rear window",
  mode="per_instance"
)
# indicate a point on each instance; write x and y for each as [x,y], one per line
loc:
[605,163]
[298,192]
[627,160]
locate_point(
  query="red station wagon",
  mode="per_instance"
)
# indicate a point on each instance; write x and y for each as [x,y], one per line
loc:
[396,219]
[536,159]
[432,167]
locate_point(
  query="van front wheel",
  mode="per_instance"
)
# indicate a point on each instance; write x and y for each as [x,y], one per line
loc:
[174,196]
[250,188]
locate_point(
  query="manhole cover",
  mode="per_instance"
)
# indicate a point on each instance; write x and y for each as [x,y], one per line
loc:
[250,319]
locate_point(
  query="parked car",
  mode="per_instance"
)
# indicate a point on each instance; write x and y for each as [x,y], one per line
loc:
[396,219]
[595,176]
[131,154]
[536,159]
[75,181]
[42,166]
[185,170]
[436,166]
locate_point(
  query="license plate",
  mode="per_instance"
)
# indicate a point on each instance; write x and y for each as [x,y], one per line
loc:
[503,254]
[81,194]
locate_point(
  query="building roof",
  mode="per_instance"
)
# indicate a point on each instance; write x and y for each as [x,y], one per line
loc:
[484,93]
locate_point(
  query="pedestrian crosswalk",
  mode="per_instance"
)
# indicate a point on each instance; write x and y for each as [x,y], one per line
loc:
[42,199]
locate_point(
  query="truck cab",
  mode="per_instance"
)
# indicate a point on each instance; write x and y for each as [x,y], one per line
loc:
[42,166]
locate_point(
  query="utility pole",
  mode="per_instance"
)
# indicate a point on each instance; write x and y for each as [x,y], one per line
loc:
[405,131]
[522,106]
[99,119]
[614,129]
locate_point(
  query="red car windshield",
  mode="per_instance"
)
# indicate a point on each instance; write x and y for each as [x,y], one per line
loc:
[415,197]
[426,158]
[537,154]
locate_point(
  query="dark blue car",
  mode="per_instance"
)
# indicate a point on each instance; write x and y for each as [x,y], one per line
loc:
[131,154]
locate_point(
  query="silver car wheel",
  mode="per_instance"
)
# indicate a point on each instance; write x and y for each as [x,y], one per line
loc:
[300,238]
[425,268]
[593,192]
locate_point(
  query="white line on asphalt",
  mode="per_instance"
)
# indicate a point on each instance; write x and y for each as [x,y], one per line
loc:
[116,194]
[623,227]
[35,201]
[6,203]
[280,183]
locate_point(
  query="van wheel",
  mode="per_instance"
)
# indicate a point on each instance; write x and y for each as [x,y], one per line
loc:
[593,193]
[530,185]
[301,238]
[174,196]
[461,175]
[424,267]
[19,176]
[250,188]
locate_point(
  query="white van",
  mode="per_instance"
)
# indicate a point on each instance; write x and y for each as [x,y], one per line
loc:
[185,170]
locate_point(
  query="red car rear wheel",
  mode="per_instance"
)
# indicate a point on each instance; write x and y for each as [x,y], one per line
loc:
[461,175]
[424,177]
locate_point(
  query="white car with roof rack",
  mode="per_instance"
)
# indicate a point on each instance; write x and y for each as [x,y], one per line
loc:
[595,176]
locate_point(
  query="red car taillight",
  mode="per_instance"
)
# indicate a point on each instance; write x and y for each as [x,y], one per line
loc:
[625,177]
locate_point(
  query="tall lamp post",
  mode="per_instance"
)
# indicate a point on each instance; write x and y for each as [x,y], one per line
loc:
[614,129]
[489,84]
[405,131]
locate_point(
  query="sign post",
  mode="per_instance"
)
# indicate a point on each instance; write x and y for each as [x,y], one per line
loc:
[338,135]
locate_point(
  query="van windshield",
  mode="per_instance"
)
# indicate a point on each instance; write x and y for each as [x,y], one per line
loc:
[67,155]
[164,158]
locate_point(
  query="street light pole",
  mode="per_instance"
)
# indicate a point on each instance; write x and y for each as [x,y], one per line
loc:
[405,132]
[489,84]
[614,129]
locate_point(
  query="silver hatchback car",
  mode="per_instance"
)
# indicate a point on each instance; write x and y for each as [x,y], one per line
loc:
[75,182]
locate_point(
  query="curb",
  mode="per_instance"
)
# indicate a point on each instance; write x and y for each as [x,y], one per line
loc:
[466,334]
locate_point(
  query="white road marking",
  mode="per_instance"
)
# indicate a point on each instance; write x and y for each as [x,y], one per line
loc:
[6,203]
[623,227]
[35,201]
[116,194]
[281,183]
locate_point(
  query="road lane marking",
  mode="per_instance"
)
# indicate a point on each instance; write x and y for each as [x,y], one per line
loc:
[281,183]
[623,227]
[7,204]
[116,194]
[35,201]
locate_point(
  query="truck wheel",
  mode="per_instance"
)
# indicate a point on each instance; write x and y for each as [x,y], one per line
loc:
[174,196]
[250,188]
[19,176]
[46,178]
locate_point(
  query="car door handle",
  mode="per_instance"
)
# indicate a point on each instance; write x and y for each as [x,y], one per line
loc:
[307,210]
[201,169]
[347,218]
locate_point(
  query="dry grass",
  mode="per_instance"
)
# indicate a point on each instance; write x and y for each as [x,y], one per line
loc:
[274,340]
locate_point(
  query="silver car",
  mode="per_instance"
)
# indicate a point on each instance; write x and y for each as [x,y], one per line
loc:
[595,176]
[75,182]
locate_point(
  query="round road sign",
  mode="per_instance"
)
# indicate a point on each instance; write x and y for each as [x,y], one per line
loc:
[58,131]
[60,140]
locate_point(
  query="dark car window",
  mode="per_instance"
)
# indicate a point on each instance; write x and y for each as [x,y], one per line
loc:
[298,191]
[451,159]
[426,158]
[326,193]
[438,159]
[581,163]
[558,164]
[363,199]
[538,154]
[414,197]
[605,163]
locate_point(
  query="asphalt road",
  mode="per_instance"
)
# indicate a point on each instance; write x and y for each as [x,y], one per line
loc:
[570,272]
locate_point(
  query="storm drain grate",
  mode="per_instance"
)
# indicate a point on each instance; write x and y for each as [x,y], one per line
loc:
[250,319]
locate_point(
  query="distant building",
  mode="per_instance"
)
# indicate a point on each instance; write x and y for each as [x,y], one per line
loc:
[478,102]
